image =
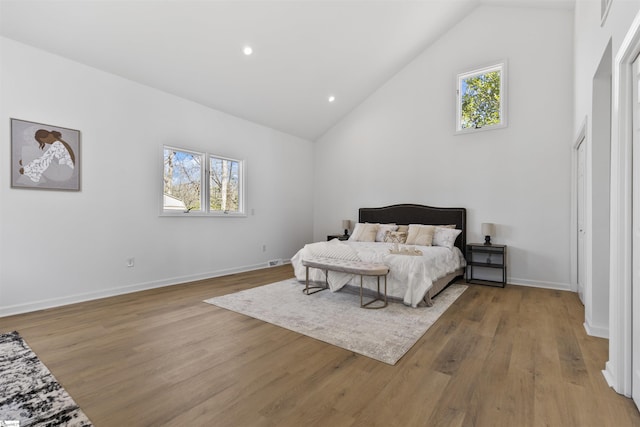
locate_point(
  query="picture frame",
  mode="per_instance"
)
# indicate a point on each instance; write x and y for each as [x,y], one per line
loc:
[44,156]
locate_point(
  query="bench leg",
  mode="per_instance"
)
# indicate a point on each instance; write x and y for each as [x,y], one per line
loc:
[385,290]
[307,288]
[377,298]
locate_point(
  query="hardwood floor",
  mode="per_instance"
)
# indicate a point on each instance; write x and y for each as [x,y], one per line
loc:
[516,356]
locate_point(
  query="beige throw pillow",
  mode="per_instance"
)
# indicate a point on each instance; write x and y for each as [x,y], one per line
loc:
[364,233]
[404,228]
[420,235]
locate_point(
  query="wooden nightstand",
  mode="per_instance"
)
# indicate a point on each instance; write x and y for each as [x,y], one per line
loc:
[337,236]
[481,256]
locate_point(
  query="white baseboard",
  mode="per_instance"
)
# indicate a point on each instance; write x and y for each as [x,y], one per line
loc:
[73,299]
[539,284]
[608,377]
[596,331]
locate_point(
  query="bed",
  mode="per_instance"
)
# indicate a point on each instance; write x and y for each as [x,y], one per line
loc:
[418,271]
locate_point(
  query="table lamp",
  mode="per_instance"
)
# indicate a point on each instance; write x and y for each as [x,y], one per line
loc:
[488,230]
[346,224]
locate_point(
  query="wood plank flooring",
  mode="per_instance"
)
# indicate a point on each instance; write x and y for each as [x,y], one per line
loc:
[516,356]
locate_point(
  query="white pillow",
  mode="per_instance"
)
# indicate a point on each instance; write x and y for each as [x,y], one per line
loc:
[364,232]
[421,235]
[382,230]
[446,237]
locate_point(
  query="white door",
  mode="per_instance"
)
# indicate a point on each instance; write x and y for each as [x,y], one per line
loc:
[635,290]
[582,193]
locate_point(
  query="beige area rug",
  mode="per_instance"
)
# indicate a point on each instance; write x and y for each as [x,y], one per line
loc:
[336,317]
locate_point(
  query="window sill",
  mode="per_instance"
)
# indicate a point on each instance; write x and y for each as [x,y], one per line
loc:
[204,214]
[484,128]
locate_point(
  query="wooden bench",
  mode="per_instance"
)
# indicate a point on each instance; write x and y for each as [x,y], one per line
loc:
[351,267]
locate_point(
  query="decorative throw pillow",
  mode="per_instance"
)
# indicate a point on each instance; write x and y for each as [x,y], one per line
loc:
[364,232]
[395,237]
[421,235]
[444,236]
[382,230]
[404,228]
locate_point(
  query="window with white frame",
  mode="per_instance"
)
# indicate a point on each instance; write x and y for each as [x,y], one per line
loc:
[201,183]
[481,99]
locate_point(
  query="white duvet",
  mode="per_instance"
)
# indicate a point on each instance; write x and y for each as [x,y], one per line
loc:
[410,277]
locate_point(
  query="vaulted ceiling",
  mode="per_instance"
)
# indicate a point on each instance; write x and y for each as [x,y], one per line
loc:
[304,51]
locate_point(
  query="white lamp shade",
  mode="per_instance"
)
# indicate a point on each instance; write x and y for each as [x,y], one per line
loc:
[346,224]
[488,229]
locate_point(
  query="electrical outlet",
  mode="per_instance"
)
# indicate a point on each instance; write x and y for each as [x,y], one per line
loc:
[131,262]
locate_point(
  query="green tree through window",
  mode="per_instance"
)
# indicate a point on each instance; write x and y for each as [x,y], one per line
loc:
[481,96]
[481,100]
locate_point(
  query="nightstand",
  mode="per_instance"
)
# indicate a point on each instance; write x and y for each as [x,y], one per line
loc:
[337,236]
[481,256]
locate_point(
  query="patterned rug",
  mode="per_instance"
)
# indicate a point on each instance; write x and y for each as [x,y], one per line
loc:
[29,393]
[336,317]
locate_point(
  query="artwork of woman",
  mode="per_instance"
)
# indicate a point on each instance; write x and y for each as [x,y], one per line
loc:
[58,150]
[44,156]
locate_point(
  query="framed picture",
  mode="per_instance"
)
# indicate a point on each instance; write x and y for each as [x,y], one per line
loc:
[44,156]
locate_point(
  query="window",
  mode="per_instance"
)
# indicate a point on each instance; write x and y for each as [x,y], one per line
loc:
[224,185]
[201,184]
[481,99]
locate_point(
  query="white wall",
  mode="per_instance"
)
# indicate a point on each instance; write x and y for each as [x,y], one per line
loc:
[595,46]
[59,247]
[592,39]
[399,145]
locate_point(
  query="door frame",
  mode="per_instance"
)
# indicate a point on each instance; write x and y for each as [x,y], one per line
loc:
[617,370]
[635,212]
[580,139]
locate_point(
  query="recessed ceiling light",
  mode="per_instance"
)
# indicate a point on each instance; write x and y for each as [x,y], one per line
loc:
[247,50]
[332,98]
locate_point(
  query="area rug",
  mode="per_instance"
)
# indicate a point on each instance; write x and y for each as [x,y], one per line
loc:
[336,317]
[29,393]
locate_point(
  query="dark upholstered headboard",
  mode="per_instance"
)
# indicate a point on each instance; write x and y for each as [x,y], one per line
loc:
[406,214]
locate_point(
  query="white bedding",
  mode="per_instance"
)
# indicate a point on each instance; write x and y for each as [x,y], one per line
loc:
[410,277]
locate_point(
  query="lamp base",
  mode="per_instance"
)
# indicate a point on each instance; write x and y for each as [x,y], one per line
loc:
[487,240]
[346,233]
